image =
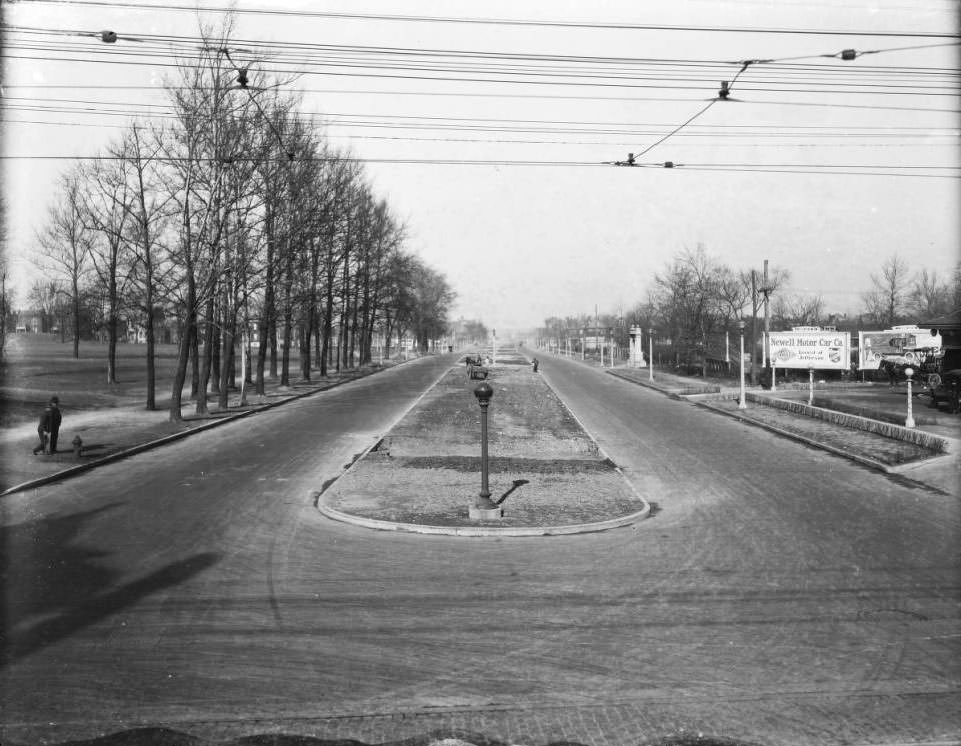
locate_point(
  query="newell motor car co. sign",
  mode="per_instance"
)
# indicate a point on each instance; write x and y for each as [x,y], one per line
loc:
[811,349]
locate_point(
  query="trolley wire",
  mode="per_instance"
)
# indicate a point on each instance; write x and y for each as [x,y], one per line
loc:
[194,8]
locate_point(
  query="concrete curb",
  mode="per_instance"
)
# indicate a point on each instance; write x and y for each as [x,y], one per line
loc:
[914,436]
[864,460]
[140,448]
[678,391]
[942,446]
[478,531]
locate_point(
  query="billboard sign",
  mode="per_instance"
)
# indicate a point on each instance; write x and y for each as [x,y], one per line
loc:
[906,345]
[821,350]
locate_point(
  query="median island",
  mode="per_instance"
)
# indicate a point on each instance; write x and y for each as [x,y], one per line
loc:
[546,473]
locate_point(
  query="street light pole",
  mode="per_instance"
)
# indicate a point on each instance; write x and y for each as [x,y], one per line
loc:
[483,506]
[741,402]
[909,422]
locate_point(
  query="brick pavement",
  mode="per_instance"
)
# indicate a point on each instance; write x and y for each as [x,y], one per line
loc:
[729,719]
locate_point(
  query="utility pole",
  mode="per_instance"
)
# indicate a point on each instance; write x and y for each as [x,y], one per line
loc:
[766,289]
[753,328]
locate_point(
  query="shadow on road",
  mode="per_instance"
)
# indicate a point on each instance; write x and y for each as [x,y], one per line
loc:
[46,573]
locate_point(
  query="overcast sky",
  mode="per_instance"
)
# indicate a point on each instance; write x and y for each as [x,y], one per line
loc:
[823,166]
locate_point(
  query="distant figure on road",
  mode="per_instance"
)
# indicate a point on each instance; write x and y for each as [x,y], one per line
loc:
[49,426]
[534,364]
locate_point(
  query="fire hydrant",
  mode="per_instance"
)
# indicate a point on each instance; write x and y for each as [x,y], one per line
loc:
[77,447]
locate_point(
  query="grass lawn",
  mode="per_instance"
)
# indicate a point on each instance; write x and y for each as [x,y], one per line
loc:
[36,366]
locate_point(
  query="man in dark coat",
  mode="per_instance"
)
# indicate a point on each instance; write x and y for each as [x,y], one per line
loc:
[49,425]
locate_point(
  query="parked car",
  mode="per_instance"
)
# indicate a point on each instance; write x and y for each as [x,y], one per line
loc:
[945,384]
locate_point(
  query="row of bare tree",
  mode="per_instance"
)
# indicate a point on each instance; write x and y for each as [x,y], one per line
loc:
[696,299]
[234,212]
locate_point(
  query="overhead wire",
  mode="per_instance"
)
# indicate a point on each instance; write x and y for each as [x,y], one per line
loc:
[195,8]
[333,119]
[501,141]
[476,94]
[345,55]
[756,168]
[370,72]
[571,70]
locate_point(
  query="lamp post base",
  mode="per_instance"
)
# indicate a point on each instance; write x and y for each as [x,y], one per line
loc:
[483,514]
[483,509]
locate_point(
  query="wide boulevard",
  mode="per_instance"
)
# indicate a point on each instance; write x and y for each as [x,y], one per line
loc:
[776,595]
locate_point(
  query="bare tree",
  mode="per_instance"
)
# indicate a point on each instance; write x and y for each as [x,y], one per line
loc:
[47,298]
[149,212]
[105,209]
[686,295]
[885,302]
[65,245]
[928,297]
[798,310]
[198,149]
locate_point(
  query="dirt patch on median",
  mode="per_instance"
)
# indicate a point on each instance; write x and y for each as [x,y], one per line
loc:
[544,470]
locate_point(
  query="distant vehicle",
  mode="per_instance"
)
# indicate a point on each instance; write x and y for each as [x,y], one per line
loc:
[945,385]
[900,345]
[944,368]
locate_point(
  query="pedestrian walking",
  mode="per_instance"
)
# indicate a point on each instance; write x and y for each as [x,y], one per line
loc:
[49,427]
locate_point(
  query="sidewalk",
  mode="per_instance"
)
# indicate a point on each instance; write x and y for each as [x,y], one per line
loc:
[112,433]
[860,422]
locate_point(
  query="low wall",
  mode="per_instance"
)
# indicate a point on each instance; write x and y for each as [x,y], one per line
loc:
[887,429]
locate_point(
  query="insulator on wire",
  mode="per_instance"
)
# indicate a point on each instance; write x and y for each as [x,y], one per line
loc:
[849,54]
[108,37]
[725,90]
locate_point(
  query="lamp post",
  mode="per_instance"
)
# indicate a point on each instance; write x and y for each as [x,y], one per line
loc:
[909,422]
[741,403]
[484,507]
[650,354]
[810,385]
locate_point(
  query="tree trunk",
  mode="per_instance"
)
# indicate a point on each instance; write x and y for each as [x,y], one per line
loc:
[151,343]
[263,329]
[217,339]
[206,360]
[76,317]
[229,337]
[195,361]
[187,342]
[112,326]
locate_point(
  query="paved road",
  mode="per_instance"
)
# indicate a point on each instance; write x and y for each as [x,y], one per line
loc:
[779,595]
